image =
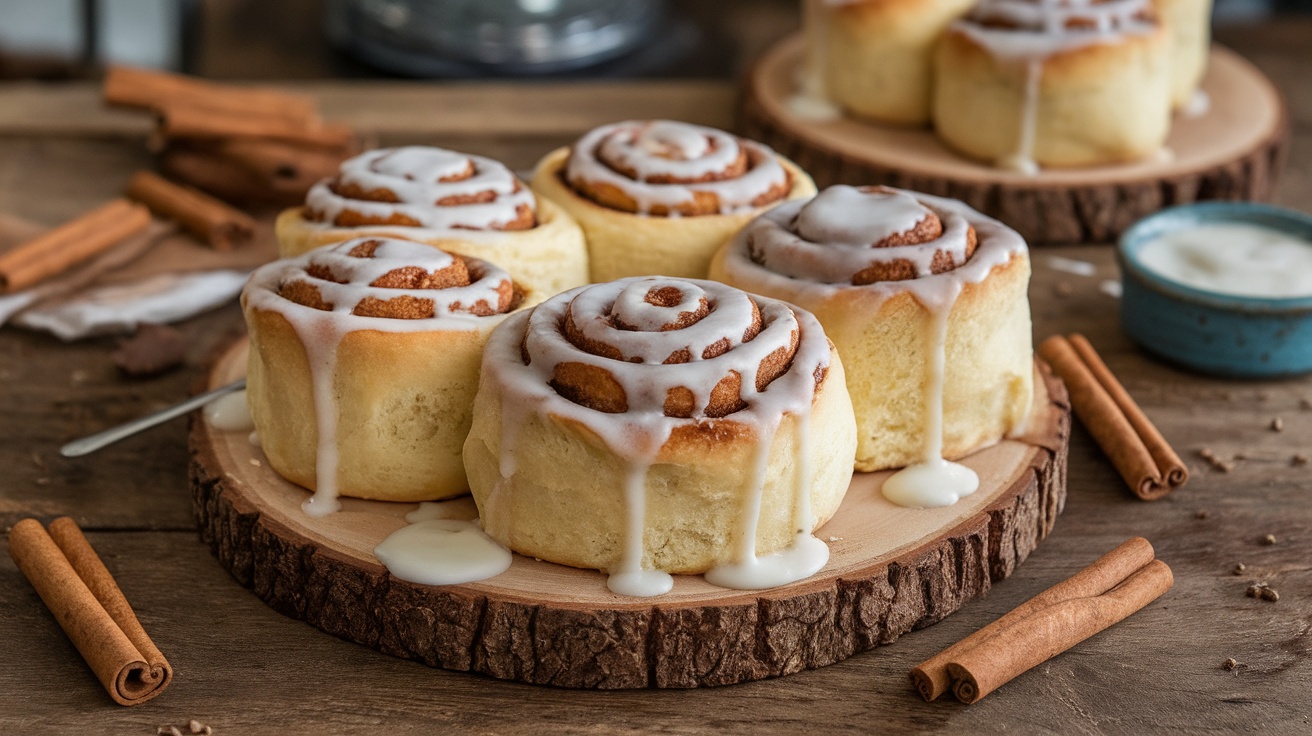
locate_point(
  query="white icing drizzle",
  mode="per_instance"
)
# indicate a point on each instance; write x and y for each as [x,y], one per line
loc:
[422,179]
[818,251]
[229,413]
[321,331]
[442,552]
[460,509]
[1199,104]
[638,435]
[828,239]
[664,149]
[1029,32]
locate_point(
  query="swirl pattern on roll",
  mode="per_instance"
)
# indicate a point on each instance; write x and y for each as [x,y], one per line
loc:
[665,168]
[392,279]
[850,235]
[680,348]
[1029,29]
[420,186]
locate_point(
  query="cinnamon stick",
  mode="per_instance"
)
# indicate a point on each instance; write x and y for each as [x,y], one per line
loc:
[1045,634]
[87,603]
[225,178]
[71,243]
[214,222]
[931,678]
[144,88]
[1140,453]
[188,121]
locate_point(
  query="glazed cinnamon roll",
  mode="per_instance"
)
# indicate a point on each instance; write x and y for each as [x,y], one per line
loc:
[363,364]
[874,58]
[461,203]
[1190,26]
[925,299]
[658,197]
[650,426]
[1030,83]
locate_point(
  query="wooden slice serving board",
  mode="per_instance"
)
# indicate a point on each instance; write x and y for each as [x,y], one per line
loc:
[890,570]
[1232,152]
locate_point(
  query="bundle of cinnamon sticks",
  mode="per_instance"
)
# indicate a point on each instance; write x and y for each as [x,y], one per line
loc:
[1102,594]
[74,583]
[1143,457]
[247,145]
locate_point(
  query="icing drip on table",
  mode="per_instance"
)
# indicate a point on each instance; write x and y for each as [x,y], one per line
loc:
[431,188]
[229,413]
[663,165]
[442,552]
[830,241]
[1029,32]
[718,332]
[351,282]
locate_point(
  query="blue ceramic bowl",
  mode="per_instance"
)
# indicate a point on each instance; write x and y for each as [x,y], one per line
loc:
[1221,334]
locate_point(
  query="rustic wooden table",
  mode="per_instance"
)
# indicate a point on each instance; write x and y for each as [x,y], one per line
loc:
[242,668]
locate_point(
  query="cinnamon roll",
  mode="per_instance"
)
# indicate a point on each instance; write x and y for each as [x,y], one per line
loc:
[1029,83]
[660,196]
[925,299]
[873,58]
[463,204]
[363,364]
[650,426]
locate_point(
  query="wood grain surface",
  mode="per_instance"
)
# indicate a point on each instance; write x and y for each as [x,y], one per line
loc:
[244,668]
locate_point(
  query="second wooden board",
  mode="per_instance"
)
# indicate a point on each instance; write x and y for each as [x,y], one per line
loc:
[1233,151]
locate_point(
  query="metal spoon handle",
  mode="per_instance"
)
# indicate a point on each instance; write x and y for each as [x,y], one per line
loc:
[87,445]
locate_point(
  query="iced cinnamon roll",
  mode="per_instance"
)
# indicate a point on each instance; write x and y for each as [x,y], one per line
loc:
[460,203]
[658,197]
[1032,83]
[363,364]
[650,426]
[873,58]
[925,299]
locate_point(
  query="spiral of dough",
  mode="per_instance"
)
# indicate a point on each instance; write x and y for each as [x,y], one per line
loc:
[674,347]
[850,235]
[664,168]
[396,279]
[421,186]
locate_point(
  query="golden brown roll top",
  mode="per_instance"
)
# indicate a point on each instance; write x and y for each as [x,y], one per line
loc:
[849,235]
[655,424]
[457,202]
[680,348]
[364,362]
[420,186]
[664,167]
[390,279]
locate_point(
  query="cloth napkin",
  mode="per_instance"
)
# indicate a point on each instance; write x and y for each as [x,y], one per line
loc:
[159,275]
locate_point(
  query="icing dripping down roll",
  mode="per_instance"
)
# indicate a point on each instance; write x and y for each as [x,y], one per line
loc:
[926,300]
[363,364]
[650,426]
